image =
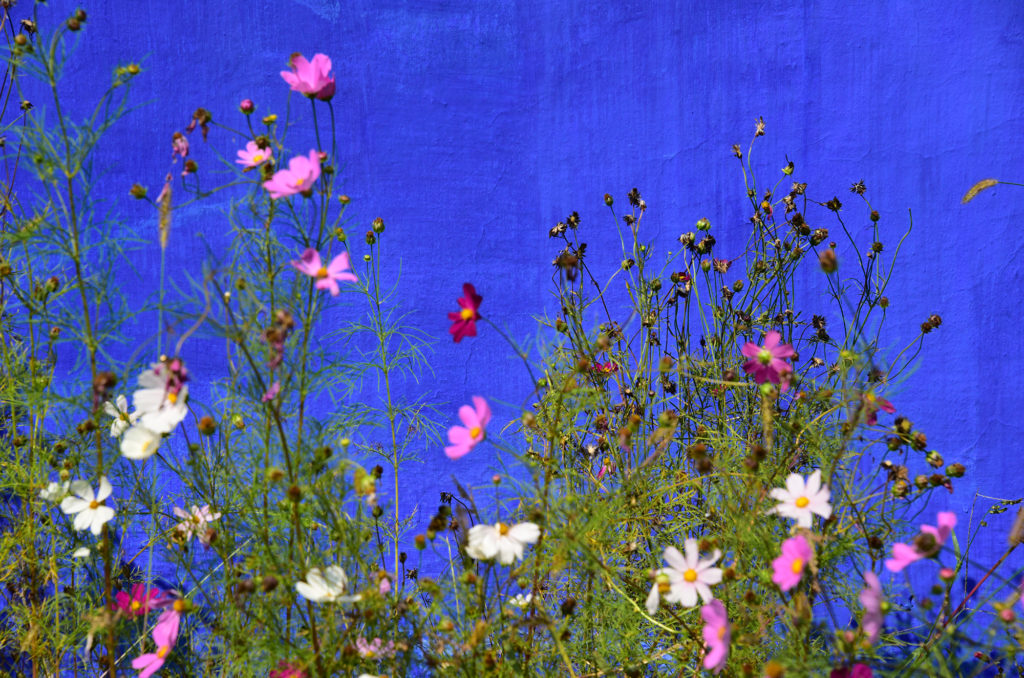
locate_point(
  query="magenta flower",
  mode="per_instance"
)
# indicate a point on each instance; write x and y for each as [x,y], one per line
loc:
[247,106]
[905,554]
[464,321]
[271,393]
[464,438]
[312,78]
[327,277]
[855,671]
[164,636]
[252,155]
[300,177]
[138,602]
[871,405]
[871,598]
[287,670]
[789,567]
[717,635]
[767,363]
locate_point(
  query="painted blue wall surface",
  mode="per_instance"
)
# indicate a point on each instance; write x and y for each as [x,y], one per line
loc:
[471,128]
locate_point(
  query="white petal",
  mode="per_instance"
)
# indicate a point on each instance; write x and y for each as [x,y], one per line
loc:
[652,599]
[82,489]
[710,576]
[101,516]
[73,505]
[704,591]
[692,553]
[84,519]
[674,558]
[104,490]
[81,552]
[308,592]
[686,594]
[139,443]
[795,485]
[525,533]
[813,483]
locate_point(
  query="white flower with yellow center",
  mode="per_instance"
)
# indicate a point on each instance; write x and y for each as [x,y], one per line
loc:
[686,577]
[122,419]
[801,500]
[326,587]
[139,443]
[159,408]
[501,540]
[88,507]
[55,491]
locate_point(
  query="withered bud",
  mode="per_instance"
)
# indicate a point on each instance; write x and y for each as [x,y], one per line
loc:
[103,383]
[295,493]
[883,302]
[608,199]
[245,587]
[926,544]
[370,238]
[876,246]
[956,470]
[827,260]
[859,188]
[138,191]
[74,24]
[207,425]
[874,215]
[737,151]
[935,319]
[834,204]
[568,607]
[269,583]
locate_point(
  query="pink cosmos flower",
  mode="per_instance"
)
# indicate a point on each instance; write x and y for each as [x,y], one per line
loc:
[327,277]
[300,177]
[465,438]
[767,363]
[717,635]
[287,670]
[138,602]
[375,648]
[871,598]
[905,554]
[384,587]
[247,106]
[789,567]
[855,671]
[464,321]
[272,392]
[196,523]
[871,405]
[164,636]
[179,144]
[312,78]
[252,155]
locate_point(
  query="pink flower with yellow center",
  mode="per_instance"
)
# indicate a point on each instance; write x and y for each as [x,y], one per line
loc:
[788,568]
[767,363]
[165,634]
[310,77]
[300,177]
[138,602]
[464,320]
[474,419]
[253,156]
[871,405]
[327,277]
[717,635]
[905,554]
[802,500]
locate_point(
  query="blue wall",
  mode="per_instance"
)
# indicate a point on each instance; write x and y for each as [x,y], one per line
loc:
[472,127]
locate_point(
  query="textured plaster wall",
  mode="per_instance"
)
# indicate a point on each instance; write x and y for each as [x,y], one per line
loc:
[472,127]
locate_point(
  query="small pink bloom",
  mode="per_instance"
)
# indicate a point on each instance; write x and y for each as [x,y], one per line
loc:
[300,177]
[287,670]
[312,78]
[871,598]
[327,277]
[164,636]
[767,363]
[855,671]
[384,587]
[272,392]
[717,635]
[179,143]
[464,438]
[247,106]
[464,321]
[196,523]
[607,466]
[872,404]
[252,155]
[789,567]
[374,649]
[905,554]
[138,602]
[604,369]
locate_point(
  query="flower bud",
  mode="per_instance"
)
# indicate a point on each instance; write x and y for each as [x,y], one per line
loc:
[608,200]
[703,225]
[705,265]
[378,225]
[247,106]
[74,24]
[1007,615]
[367,258]
[237,421]
[956,470]
[54,333]
[827,260]
[207,425]
[874,215]
[420,541]
[270,119]
[138,191]
[269,583]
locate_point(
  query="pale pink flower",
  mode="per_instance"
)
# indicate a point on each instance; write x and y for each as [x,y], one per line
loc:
[164,636]
[252,155]
[375,648]
[688,577]
[717,635]
[179,143]
[300,177]
[767,363]
[384,587]
[271,393]
[801,500]
[465,438]
[905,554]
[871,598]
[312,78]
[196,523]
[327,277]
[789,567]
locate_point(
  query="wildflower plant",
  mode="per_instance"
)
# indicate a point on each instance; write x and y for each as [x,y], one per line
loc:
[708,476]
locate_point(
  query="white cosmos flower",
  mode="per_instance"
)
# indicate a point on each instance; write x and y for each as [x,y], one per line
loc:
[54,491]
[686,577]
[159,408]
[119,411]
[81,552]
[521,600]
[139,443]
[87,507]
[326,587]
[196,523]
[800,500]
[501,540]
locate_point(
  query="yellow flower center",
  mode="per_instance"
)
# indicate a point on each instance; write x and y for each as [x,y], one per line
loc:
[322,272]
[299,182]
[179,606]
[135,605]
[721,632]
[802,502]
[690,575]
[93,505]
[764,356]
[502,529]
[798,565]
[466,314]
[475,432]
[162,652]
[172,398]
[257,159]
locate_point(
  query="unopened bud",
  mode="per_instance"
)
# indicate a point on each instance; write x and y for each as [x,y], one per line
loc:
[138,191]
[74,24]
[269,583]
[247,106]
[378,225]
[828,261]
[207,425]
